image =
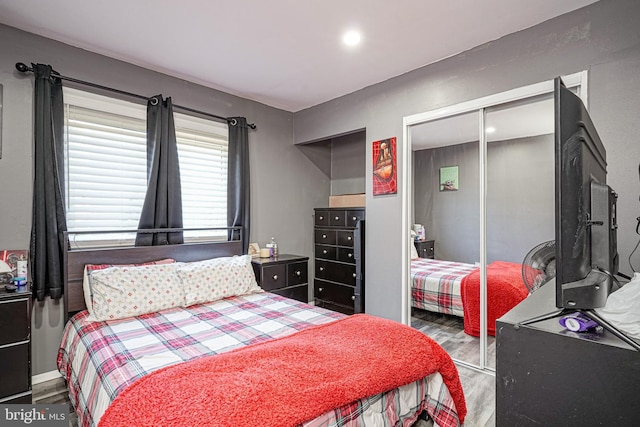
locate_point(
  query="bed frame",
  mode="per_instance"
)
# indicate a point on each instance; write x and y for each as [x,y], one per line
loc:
[75,260]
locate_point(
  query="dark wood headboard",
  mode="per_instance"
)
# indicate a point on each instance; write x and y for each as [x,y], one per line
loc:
[75,260]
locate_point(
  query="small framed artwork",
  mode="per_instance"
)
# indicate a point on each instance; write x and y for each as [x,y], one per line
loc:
[449,178]
[385,177]
[254,249]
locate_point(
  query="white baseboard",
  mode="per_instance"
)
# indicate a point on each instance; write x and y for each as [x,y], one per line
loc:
[45,376]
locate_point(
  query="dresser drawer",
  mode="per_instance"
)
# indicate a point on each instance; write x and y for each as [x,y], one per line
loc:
[346,255]
[344,238]
[325,237]
[273,277]
[14,320]
[326,252]
[426,249]
[297,273]
[336,272]
[339,294]
[14,369]
[337,218]
[321,218]
[353,217]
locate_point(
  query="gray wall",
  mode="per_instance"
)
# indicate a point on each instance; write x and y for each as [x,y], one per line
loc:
[603,38]
[280,172]
[348,164]
[520,190]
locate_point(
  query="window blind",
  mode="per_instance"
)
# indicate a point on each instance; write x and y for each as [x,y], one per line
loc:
[105,166]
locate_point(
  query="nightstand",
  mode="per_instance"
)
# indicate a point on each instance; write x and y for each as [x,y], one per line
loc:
[426,248]
[15,347]
[285,275]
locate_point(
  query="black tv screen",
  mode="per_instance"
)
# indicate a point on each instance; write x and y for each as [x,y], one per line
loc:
[585,219]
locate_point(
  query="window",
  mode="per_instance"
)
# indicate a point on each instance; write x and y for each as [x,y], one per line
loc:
[105,167]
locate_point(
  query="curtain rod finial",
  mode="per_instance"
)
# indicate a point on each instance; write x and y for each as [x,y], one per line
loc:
[22,67]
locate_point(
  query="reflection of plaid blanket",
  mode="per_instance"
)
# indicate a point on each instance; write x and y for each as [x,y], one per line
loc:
[99,360]
[435,285]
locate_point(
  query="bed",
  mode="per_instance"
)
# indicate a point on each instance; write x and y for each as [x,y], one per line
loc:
[228,361]
[453,288]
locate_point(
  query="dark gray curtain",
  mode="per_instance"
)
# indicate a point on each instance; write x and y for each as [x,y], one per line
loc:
[48,218]
[163,202]
[238,179]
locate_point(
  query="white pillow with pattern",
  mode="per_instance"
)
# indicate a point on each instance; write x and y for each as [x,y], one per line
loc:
[121,292]
[217,278]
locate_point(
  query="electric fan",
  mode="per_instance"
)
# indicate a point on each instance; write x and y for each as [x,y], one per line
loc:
[539,265]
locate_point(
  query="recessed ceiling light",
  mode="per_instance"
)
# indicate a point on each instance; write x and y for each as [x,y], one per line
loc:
[490,129]
[351,38]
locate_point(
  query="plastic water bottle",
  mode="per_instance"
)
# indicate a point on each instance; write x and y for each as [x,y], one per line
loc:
[274,247]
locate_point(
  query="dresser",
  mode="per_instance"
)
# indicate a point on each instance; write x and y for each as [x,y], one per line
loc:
[285,275]
[339,259]
[425,248]
[15,347]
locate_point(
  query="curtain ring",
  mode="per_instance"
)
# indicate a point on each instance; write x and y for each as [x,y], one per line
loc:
[154,100]
[233,122]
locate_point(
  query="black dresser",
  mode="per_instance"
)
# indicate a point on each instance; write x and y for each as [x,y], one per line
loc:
[339,259]
[425,248]
[15,347]
[285,275]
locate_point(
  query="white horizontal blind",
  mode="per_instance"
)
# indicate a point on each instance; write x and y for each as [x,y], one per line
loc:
[105,166]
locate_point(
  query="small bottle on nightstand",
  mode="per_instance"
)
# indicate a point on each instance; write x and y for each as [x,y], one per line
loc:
[274,247]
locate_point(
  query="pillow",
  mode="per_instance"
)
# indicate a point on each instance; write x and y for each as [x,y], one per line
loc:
[121,292]
[89,268]
[414,251]
[217,278]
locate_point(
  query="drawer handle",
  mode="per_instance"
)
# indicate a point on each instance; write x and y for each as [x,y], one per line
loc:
[324,251]
[337,218]
[354,275]
[321,268]
[355,217]
[320,289]
[353,297]
[298,273]
[350,255]
[324,236]
[275,277]
[321,218]
[349,238]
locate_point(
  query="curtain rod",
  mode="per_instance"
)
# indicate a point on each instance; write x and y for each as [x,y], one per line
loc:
[23,68]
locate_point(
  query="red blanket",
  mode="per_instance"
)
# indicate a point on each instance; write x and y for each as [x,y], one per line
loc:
[286,381]
[505,289]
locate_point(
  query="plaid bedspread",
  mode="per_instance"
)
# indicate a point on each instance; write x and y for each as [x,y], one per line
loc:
[100,359]
[435,285]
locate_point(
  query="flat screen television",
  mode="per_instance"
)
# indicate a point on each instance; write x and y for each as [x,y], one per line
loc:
[585,208]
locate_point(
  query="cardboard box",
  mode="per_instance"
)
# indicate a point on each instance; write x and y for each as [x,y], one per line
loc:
[347,201]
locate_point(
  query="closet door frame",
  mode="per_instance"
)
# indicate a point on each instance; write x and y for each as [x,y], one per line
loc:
[576,80]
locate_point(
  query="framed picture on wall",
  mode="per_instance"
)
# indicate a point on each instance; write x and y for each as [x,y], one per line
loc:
[385,177]
[449,178]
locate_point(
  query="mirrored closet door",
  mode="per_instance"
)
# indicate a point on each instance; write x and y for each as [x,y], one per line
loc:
[479,197]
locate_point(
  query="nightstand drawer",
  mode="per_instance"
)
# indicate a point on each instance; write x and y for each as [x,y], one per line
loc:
[426,248]
[273,277]
[14,369]
[14,320]
[297,273]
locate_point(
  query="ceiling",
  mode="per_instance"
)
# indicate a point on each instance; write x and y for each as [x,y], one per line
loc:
[284,53]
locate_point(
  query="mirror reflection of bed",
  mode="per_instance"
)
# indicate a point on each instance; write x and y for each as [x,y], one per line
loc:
[445,291]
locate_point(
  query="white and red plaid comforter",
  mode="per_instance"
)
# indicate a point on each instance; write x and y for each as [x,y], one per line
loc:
[435,285]
[100,359]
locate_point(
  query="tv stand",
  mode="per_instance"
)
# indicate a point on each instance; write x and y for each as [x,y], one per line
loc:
[547,375]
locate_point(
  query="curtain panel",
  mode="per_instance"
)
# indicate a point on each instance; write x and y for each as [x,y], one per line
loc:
[238,194]
[48,216]
[162,206]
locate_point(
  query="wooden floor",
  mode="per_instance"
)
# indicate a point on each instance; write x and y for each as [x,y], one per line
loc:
[479,387]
